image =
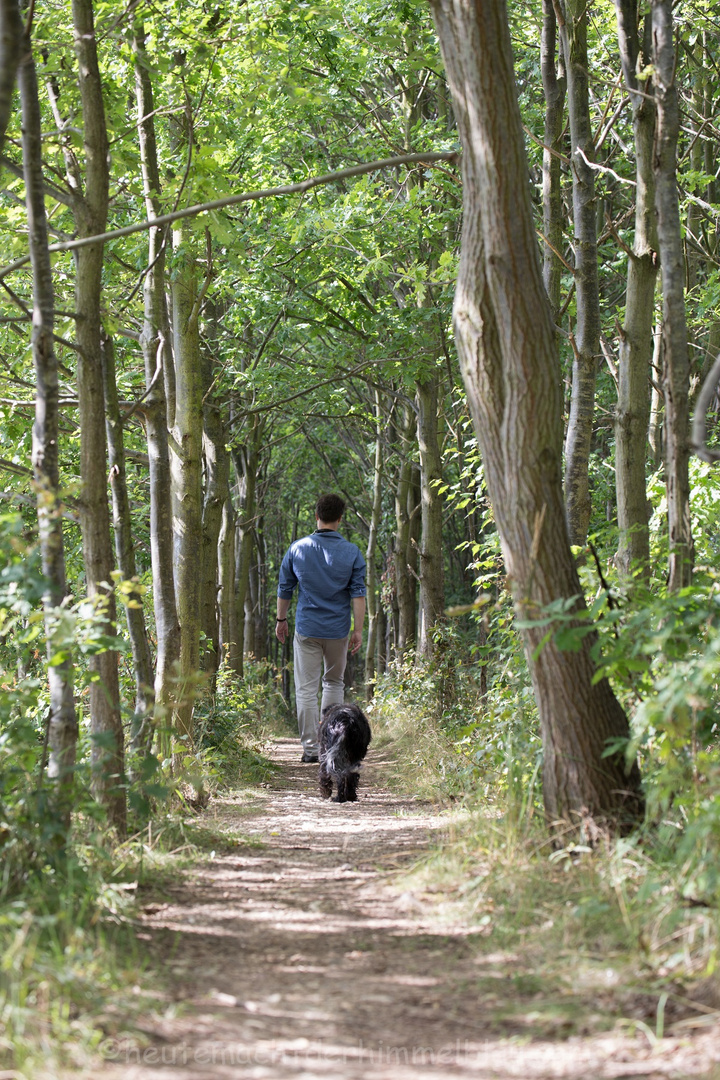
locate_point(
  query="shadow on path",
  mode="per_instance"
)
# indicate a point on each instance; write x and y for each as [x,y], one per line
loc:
[296,958]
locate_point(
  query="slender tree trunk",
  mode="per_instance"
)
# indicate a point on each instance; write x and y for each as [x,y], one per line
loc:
[246,465]
[586,344]
[657,412]
[432,589]
[228,608]
[636,338]
[251,599]
[676,366]
[373,600]
[125,553]
[63,727]
[506,341]
[261,605]
[91,218]
[12,43]
[554,90]
[157,355]
[406,520]
[186,474]
[217,492]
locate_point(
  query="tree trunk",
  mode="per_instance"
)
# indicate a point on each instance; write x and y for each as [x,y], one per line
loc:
[217,492]
[62,724]
[125,554]
[554,91]
[228,608]
[373,600]
[91,218]
[246,465]
[261,605]
[676,367]
[406,521]
[157,355]
[186,473]
[506,341]
[586,344]
[636,338]
[12,43]
[656,423]
[432,592]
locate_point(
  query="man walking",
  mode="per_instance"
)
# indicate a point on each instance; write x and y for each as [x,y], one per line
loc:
[329,573]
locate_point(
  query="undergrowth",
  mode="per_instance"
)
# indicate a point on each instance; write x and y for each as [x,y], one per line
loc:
[72,963]
[643,908]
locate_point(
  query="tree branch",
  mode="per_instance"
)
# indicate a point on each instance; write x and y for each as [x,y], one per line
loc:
[247,196]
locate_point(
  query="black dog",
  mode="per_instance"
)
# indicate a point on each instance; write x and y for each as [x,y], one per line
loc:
[344,738]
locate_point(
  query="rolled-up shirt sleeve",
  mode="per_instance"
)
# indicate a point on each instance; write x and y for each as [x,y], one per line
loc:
[357,578]
[288,578]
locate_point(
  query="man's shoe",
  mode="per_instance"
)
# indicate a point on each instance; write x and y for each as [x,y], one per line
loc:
[309,759]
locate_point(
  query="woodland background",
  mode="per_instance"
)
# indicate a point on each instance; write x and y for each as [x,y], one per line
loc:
[176,395]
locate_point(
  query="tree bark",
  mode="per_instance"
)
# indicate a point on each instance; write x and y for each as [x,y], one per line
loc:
[636,339]
[91,218]
[586,344]
[155,341]
[63,726]
[12,44]
[373,600]
[125,554]
[554,85]
[406,531]
[217,492]
[246,460]
[506,341]
[228,608]
[676,365]
[432,587]
[186,474]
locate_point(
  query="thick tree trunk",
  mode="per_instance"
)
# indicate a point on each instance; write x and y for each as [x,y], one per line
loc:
[432,587]
[91,218]
[407,521]
[586,344]
[636,339]
[373,600]
[125,554]
[676,367]
[554,91]
[186,474]
[157,355]
[63,727]
[505,336]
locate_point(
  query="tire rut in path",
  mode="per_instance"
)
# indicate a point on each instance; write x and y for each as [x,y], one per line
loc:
[296,959]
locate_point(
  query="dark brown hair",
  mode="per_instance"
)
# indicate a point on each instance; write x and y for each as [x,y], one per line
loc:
[329,508]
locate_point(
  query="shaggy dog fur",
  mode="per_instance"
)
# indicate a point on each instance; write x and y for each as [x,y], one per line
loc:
[344,738]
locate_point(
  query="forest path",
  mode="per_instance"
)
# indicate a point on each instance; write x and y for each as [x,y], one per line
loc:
[295,957]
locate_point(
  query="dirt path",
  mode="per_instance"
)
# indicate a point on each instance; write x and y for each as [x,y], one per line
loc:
[296,958]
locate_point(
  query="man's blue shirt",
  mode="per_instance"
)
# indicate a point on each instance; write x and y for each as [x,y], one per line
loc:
[328,571]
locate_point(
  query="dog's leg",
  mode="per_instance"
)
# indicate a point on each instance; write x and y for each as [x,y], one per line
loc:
[351,786]
[325,781]
[342,789]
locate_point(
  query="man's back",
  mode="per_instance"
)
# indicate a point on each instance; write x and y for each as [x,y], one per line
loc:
[328,571]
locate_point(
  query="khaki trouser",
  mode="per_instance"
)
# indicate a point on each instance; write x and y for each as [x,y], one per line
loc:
[315,658]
